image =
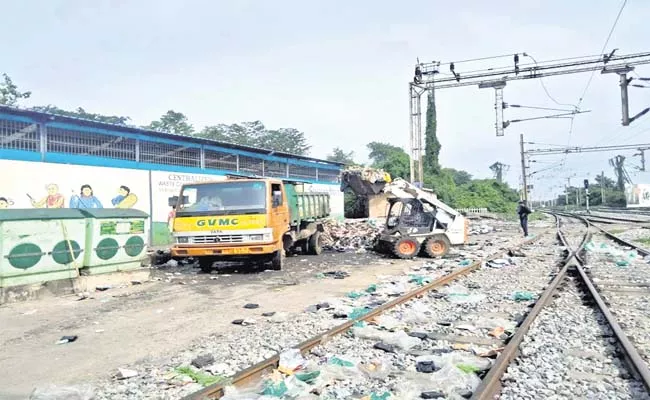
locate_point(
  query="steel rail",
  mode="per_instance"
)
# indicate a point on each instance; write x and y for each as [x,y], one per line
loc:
[634,359]
[256,371]
[490,386]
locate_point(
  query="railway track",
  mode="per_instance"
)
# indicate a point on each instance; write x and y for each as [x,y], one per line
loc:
[448,325]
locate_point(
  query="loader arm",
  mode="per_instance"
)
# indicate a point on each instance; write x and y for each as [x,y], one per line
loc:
[403,189]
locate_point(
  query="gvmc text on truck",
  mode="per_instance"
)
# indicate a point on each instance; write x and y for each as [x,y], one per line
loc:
[247,219]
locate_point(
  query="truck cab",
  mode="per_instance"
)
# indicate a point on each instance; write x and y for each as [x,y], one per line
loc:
[238,218]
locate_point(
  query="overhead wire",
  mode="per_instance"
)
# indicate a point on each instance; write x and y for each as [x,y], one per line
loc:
[584,92]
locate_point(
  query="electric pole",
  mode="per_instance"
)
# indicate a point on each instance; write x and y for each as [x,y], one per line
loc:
[524,193]
[622,72]
[602,189]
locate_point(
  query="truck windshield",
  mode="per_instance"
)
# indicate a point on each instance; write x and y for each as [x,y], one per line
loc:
[223,198]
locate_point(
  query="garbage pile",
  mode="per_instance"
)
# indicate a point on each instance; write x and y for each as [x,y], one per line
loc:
[351,235]
[363,180]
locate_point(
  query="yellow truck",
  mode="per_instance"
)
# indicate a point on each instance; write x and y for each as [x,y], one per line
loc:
[247,219]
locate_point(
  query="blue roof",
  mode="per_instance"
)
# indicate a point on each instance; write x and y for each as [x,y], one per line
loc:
[48,117]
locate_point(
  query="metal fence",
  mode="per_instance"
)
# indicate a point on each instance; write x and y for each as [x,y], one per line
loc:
[24,135]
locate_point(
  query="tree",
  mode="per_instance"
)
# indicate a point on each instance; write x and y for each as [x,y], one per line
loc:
[83,114]
[431,143]
[391,159]
[338,155]
[172,122]
[255,134]
[287,140]
[9,93]
[459,177]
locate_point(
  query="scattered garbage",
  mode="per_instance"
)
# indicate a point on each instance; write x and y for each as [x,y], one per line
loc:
[67,339]
[522,296]
[102,288]
[460,294]
[399,339]
[499,263]
[123,373]
[516,253]
[199,377]
[388,348]
[244,322]
[53,392]
[336,274]
[464,263]
[291,361]
[268,314]
[251,306]
[203,360]
[375,369]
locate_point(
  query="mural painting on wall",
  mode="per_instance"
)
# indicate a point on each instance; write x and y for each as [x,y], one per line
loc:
[85,199]
[83,187]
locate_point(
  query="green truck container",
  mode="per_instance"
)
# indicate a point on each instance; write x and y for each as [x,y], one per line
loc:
[38,245]
[116,240]
[306,206]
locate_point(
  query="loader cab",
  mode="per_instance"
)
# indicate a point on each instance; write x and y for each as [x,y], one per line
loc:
[411,216]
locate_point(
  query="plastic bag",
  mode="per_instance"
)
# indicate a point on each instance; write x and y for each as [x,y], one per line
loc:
[450,379]
[387,322]
[522,295]
[290,361]
[491,323]
[416,313]
[52,392]
[376,369]
[398,339]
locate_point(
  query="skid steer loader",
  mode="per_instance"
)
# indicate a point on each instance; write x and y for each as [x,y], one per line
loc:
[418,222]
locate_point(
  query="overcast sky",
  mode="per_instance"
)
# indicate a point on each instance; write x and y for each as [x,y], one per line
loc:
[337,70]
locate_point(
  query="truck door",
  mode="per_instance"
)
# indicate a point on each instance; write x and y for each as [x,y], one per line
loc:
[279,215]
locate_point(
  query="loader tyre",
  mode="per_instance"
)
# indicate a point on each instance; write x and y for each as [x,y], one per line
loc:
[277,260]
[437,246]
[315,245]
[406,247]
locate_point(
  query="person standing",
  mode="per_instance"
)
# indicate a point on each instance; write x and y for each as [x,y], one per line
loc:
[523,211]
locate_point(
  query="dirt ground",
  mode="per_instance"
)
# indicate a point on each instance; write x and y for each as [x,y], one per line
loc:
[122,326]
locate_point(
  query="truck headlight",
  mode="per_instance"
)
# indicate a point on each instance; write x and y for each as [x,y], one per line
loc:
[182,239]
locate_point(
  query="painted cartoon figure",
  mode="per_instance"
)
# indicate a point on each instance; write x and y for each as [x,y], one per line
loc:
[124,199]
[54,199]
[5,203]
[86,200]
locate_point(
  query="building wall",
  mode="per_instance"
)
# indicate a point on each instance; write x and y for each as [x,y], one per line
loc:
[40,152]
[637,195]
[27,184]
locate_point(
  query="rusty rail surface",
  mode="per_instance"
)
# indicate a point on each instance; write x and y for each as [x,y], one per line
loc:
[490,386]
[256,371]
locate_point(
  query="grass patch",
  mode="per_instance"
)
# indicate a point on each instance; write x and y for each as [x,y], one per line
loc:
[161,234]
[645,241]
[200,377]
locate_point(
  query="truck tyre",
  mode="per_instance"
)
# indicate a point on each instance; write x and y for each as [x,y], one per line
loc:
[437,246]
[277,260]
[315,246]
[205,263]
[406,248]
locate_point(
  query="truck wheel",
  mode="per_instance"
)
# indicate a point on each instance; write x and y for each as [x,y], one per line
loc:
[205,263]
[315,246]
[278,260]
[437,246]
[406,248]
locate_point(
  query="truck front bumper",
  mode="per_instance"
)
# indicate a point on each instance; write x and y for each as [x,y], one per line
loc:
[198,251]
